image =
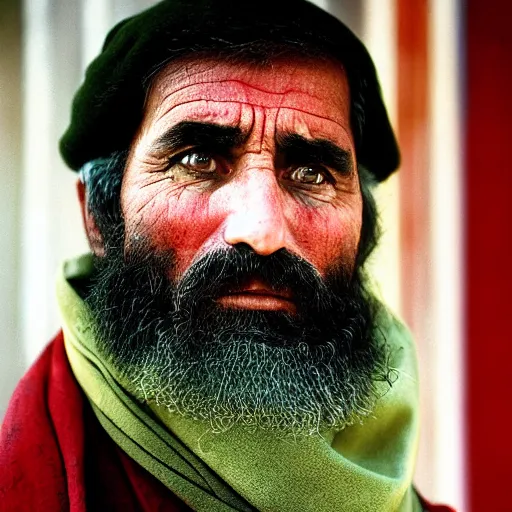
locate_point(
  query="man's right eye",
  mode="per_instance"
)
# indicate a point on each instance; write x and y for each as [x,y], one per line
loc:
[195,165]
[198,161]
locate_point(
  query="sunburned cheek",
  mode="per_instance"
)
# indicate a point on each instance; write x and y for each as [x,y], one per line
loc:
[327,236]
[183,227]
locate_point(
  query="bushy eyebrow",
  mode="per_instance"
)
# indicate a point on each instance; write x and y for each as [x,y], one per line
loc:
[292,147]
[296,149]
[195,134]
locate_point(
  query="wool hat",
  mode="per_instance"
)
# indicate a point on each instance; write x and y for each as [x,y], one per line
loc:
[107,108]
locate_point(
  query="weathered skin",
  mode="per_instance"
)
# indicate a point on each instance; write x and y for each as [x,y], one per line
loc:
[249,195]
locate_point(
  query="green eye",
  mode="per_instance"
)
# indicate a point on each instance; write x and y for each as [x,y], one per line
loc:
[307,175]
[199,161]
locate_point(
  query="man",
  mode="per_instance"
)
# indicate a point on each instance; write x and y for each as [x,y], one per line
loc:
[221,349]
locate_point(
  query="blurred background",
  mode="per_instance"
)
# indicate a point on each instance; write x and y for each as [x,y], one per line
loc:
[442,266]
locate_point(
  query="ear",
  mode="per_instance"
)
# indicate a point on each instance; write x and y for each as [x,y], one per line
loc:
[91,229]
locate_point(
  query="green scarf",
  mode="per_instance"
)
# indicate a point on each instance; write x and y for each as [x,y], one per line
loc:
[365,467]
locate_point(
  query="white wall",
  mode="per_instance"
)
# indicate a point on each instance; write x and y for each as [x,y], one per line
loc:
[11,355]
[446,379]
[51,227]
[61,38]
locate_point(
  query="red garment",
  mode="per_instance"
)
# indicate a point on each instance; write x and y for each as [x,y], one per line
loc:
[55,456]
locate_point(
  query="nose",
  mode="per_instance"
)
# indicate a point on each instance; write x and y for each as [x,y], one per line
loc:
[256,215]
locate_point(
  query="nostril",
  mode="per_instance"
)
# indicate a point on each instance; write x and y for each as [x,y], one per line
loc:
[263,235]
[243,247]
[255,215]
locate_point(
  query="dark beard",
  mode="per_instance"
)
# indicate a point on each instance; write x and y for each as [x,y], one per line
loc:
[298,373]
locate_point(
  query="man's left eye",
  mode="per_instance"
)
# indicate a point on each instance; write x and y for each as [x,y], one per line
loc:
[308,175]
[199,161]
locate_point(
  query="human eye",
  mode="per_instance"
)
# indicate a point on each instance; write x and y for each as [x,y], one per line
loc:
[195,165]
[197,161]
[308,175]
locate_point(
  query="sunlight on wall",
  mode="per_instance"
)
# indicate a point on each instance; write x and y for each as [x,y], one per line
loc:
[447,260]
[51,228]
[11,358]
[379,37]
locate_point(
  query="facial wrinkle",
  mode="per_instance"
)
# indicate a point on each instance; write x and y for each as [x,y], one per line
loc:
[247,118]
[267,100]
[205,101]
[270,122]
[255,142]
[194,220]
[244,85]
[224,112]
[263,131]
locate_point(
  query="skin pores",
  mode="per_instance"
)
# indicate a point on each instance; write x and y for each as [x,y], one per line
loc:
[229,154]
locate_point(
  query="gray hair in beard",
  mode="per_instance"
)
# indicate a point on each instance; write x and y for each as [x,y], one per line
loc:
[299,374]
[294,374]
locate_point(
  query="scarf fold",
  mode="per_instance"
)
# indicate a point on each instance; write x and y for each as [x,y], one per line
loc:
[365,467]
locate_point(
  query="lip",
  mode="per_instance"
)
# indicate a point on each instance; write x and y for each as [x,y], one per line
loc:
[257,295]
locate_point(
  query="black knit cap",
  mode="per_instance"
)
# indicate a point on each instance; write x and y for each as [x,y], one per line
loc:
[107,109]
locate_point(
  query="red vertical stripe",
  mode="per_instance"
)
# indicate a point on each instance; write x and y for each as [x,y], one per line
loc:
[413,139]
[413,136]
[488,224]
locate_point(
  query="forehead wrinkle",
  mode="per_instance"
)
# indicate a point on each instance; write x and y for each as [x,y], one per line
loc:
[204,112]
[310,130]
[249,94]
[243,103]
[235,119]
[245,86]
[261,89]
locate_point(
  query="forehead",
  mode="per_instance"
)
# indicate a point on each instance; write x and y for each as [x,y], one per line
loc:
[302,95]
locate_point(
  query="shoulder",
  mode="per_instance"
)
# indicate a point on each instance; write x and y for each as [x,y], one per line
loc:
[32,470]
[28,404]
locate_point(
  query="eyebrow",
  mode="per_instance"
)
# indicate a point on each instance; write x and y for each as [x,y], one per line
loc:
[296,149]
[193,133]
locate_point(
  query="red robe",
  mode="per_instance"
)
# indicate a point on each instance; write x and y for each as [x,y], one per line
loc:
[55,456]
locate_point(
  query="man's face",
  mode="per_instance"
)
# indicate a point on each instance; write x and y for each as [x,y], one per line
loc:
[269,161]
[232,293]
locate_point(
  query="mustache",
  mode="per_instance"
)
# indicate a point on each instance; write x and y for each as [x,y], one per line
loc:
[176,346]
[221,271]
